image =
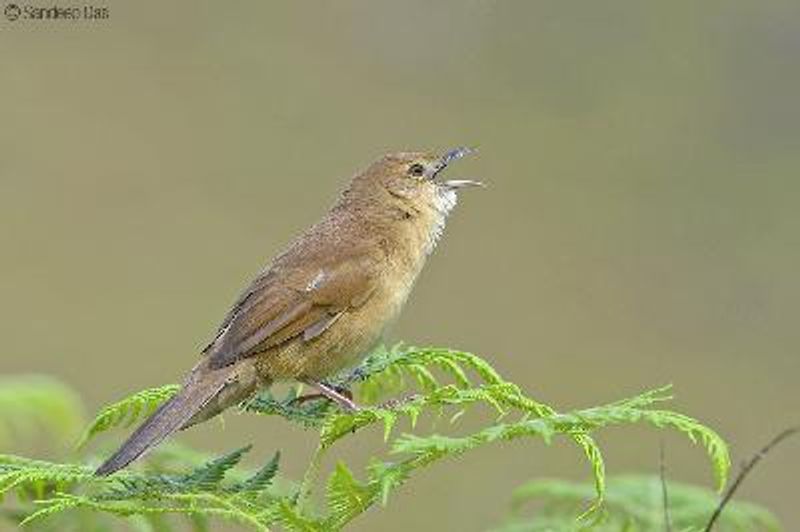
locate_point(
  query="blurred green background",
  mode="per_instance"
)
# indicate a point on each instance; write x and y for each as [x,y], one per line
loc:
[640,228]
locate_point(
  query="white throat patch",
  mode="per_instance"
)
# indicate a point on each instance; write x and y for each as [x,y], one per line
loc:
[444,201]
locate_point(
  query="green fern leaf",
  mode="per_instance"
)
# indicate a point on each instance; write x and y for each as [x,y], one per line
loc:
[34,403]
[447,381]
[287,515]
[262,478]
[633,503]
[209,476]
[38,476]
[128,410]
[347,497]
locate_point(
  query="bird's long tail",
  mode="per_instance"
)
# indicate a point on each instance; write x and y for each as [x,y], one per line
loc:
[200,388]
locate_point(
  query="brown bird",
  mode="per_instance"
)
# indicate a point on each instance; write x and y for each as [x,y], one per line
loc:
[322,304]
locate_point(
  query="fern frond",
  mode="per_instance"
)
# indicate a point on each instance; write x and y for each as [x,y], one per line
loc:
[30,404]
[38,476]
[128,411]
[578,424]
[309,415]
[60,503]
[442,380]
[210,475]
[595,457]
[201,492]
[261,479]
[347,497]
[418,362]
[289,516]
[207,477]
[636,409]
[384,371]
[633,503]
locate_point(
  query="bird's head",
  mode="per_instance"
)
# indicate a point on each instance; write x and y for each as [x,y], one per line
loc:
[414,179]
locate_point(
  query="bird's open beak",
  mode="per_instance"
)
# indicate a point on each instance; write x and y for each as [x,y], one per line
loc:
[455,184]
[455,154]
[449,157]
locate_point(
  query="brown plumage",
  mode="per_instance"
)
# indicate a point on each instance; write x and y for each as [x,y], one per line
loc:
[322,304]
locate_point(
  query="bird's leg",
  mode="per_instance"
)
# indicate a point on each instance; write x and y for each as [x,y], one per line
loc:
[315,396]
[341,396]
[343,390]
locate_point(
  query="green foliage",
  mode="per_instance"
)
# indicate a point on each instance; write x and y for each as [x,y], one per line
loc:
[445,383]
[203,492]
[632,504]
[37,476]
[30,405]
[126,412]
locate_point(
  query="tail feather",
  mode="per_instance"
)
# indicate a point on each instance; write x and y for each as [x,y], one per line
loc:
[169,417]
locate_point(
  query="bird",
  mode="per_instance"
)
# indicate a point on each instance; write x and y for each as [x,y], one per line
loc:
[322,304]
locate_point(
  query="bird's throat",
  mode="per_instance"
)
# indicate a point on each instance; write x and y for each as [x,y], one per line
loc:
[444,201]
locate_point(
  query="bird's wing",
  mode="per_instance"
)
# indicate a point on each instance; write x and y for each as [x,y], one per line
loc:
[286,303]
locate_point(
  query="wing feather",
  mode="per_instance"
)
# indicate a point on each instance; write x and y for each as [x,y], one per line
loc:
[286,303]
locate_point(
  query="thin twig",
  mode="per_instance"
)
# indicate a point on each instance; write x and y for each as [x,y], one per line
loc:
[746,468]
[664,493]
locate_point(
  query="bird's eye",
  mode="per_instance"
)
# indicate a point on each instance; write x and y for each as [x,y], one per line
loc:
[416,170]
